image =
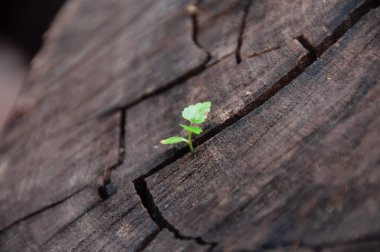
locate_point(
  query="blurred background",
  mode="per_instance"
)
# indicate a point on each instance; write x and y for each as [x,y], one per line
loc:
[22,25]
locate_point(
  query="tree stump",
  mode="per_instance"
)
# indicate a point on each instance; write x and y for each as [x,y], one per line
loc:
[290,155]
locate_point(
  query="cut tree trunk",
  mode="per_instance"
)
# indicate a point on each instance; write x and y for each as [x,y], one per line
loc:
[289,159]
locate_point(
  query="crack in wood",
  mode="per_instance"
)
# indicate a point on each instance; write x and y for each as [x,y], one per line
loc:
[145,243]
[42,210]
[106,189]
[313,53]
[140,183]
[319,247]
[68,224]
[155,214]
[202,67]
[265,51]
[110,111]
[302,64]
[349,22]
[308,46]
[241,32]
[193,13]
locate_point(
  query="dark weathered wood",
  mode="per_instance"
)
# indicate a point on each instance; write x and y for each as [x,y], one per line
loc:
[118,224]
[219,83]
[297,172]
[84,223]
[231,88]
[91,88]
[132,65]
[80,28]
[48,129]
[302,168]
[165,241]
[33,232]
[64,162]
[286,20]
[219,24]
[368,246]
[293,248]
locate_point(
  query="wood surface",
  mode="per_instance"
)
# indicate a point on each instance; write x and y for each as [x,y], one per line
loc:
[288,161]
[301,168]
[232,89]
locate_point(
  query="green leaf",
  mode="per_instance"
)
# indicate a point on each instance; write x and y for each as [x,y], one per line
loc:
[171,140]
[193,129]
[197,113]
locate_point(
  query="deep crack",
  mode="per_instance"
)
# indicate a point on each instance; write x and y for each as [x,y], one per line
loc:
[308,46]
[313,53]
[192,10]
[107,189]
[241,32]
[145,243]
[349,22]
[155,214]
[303,64]
[296,71]
[181,79]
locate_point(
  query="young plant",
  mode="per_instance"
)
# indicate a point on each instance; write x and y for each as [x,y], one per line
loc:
[196,114]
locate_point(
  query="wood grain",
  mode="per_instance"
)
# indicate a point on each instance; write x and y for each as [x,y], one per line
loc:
[118,224]
[288,160]
[313,20]
[230,88]
[51,129]
[370,246]
[218,26]
[31,233]
[301,168]
[64,162]
[94,76]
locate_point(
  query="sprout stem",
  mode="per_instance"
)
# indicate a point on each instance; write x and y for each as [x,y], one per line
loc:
[189,141]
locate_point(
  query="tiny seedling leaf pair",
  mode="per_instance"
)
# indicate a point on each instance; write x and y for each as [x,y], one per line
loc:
[196,114]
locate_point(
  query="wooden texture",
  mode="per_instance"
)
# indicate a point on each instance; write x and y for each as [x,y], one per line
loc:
[292,19]
[231,88]
[118,224]
[369,246]
[218,30]
[58,122]
[30,234]
[67,161]
[165,241]
[302,167]
[288,161]
[143,47]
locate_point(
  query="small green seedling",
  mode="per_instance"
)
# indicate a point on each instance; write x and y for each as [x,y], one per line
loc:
[196,114]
